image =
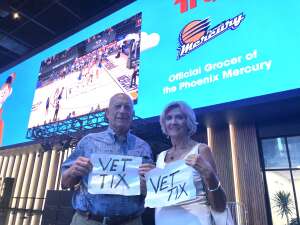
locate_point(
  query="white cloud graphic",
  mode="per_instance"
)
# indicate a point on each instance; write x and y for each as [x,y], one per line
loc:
[149,41]
[132,36]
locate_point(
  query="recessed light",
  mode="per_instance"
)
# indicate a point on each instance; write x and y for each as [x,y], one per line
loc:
[16,15]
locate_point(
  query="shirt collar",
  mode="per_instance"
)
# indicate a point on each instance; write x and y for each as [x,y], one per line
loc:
[113,135]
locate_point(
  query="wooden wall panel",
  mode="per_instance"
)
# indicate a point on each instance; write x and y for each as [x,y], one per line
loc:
[10,166]
[30,168]
[3,169]
[248,175]
[33,187]
[17,189]
[15,172]
[1,160]
[23,197]
[219,141]
[38,203]
[8,172]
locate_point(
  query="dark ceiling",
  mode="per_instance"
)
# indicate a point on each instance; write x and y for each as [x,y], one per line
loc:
[42,22]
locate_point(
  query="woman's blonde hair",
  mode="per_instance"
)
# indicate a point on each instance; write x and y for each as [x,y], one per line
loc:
[186,110]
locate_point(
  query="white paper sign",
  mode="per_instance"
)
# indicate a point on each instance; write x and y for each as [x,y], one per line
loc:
[114,174]
[171,185]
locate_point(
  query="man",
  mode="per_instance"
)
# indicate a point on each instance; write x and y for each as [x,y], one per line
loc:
[106,209]
[133,76]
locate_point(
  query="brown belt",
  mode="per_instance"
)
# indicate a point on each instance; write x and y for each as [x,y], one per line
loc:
[115,220]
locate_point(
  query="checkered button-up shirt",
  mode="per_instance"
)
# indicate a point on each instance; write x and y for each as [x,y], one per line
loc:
[107,143]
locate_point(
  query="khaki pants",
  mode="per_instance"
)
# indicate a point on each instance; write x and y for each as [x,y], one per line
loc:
[81,220]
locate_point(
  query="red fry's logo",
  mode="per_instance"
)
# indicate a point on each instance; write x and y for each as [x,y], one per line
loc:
[197,33]
[184,4]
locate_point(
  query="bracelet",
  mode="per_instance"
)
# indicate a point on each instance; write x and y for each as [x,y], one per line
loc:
[215,189]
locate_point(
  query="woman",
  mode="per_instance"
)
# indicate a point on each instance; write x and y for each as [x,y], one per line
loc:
[178,122]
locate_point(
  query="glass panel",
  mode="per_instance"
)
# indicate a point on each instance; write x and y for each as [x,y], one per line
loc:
[296,176]
[281,197]
[294,148]
[274,151]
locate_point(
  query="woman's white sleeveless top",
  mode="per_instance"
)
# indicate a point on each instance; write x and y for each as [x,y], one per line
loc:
[194,212]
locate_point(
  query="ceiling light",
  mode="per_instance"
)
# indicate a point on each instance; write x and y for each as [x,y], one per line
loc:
[16,15]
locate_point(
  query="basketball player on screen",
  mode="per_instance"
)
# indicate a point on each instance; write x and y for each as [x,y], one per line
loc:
[5,92]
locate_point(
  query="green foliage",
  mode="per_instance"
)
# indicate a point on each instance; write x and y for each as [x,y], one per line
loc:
[283,204]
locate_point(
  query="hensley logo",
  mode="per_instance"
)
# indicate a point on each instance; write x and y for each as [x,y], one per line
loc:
[196,33]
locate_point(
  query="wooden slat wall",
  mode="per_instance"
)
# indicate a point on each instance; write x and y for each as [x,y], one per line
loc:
[35,172]
[219,141]
[249,179]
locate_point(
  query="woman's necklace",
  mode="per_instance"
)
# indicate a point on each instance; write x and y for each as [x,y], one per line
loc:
[176,153]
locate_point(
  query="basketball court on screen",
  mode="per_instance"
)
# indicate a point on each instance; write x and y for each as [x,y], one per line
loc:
[81,96]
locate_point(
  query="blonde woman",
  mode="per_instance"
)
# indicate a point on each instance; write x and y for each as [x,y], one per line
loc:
[178,122]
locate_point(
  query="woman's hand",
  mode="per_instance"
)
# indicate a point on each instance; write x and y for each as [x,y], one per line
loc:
[204,163]
[201,165]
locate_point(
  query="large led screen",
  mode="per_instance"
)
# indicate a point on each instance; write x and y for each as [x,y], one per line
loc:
[203,52]
[81,79]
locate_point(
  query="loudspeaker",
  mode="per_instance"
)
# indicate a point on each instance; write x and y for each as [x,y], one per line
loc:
[49,215]
[58,209]
[7,192]
[64,215]
[8,185]
[52,198]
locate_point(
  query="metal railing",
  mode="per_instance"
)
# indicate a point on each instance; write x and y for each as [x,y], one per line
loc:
[29,211]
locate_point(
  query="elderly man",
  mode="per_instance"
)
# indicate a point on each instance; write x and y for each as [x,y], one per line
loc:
[100,209]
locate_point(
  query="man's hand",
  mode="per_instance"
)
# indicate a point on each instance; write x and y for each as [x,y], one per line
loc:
[143,169]
[81,167]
